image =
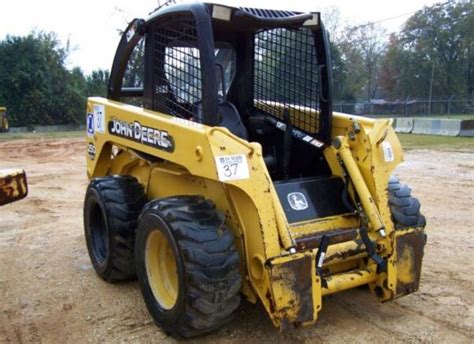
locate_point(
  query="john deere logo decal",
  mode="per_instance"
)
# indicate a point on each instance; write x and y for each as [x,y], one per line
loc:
[137,132]
[297,201]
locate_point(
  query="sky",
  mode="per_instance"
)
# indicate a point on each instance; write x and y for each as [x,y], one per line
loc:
[92,25]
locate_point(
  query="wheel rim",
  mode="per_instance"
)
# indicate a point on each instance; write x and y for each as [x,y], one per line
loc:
[161,269]
[100,243]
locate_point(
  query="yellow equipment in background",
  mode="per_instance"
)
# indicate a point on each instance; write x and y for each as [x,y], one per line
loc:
[3,120]
[235,176]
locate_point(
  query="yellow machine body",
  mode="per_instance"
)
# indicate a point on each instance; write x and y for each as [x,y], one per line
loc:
[173,156]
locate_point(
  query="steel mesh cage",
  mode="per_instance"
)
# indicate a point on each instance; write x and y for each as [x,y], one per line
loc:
[177,83]
[286,76]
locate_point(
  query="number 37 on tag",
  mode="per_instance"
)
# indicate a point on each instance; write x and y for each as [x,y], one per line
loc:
[232,167]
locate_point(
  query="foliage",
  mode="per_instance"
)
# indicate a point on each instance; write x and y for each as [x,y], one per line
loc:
[436,44]
[363,49]
[135,70]
[36,86]
[97,83]
[339,74]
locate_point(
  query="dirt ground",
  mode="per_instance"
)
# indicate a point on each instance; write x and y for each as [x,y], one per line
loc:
[50,293]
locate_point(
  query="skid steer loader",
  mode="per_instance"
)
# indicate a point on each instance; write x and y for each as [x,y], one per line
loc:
[231,175]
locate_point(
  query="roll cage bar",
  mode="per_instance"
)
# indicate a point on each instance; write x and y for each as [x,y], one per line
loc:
[246,21]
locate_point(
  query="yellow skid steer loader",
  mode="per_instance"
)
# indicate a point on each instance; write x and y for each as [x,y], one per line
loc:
[231,175]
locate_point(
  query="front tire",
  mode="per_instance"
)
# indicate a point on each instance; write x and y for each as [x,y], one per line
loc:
[405,208]
[187,265]
[111,208]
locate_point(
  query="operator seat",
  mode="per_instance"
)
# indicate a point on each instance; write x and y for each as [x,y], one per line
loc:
[231,120]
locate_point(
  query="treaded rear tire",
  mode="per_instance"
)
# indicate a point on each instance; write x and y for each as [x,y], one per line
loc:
[207,264]
[405,208]
[111,209]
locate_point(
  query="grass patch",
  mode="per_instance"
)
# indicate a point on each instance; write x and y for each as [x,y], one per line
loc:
[460,116]
[453,116]
[49,135]
[413,141]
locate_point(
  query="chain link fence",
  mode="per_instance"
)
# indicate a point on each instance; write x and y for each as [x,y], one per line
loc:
[408,107]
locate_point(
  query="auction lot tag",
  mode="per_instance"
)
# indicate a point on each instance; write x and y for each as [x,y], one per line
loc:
[232,167]
[388,151]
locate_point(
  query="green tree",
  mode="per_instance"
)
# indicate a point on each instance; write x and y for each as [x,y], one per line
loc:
[135,70]
[37,87]
[391,69]
[439,41]
[30,66]
[332,22]
[362,49]
[97,83]
[31,75]
[73,98]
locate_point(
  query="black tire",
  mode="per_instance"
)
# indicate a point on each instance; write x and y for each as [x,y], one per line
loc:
[405,208]
[111,209]
[207,265]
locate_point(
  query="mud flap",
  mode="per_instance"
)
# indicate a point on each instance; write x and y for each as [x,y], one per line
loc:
[410,245]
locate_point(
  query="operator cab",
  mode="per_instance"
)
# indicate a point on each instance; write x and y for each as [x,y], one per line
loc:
[263,74]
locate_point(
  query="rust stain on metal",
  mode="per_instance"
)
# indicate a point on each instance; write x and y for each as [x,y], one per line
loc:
[268,295]
[410,249]
[13,186]
[335,237]
[297,277]
[347,254]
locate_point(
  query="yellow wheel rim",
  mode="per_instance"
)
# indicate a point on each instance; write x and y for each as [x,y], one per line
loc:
[161,269]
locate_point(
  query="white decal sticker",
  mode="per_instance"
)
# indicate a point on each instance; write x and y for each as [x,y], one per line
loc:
[90,124]
[232,167]
[188,123]
[308,138]
[388,151]
[281,126]
[297,201]
[99,118]
[317,143]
